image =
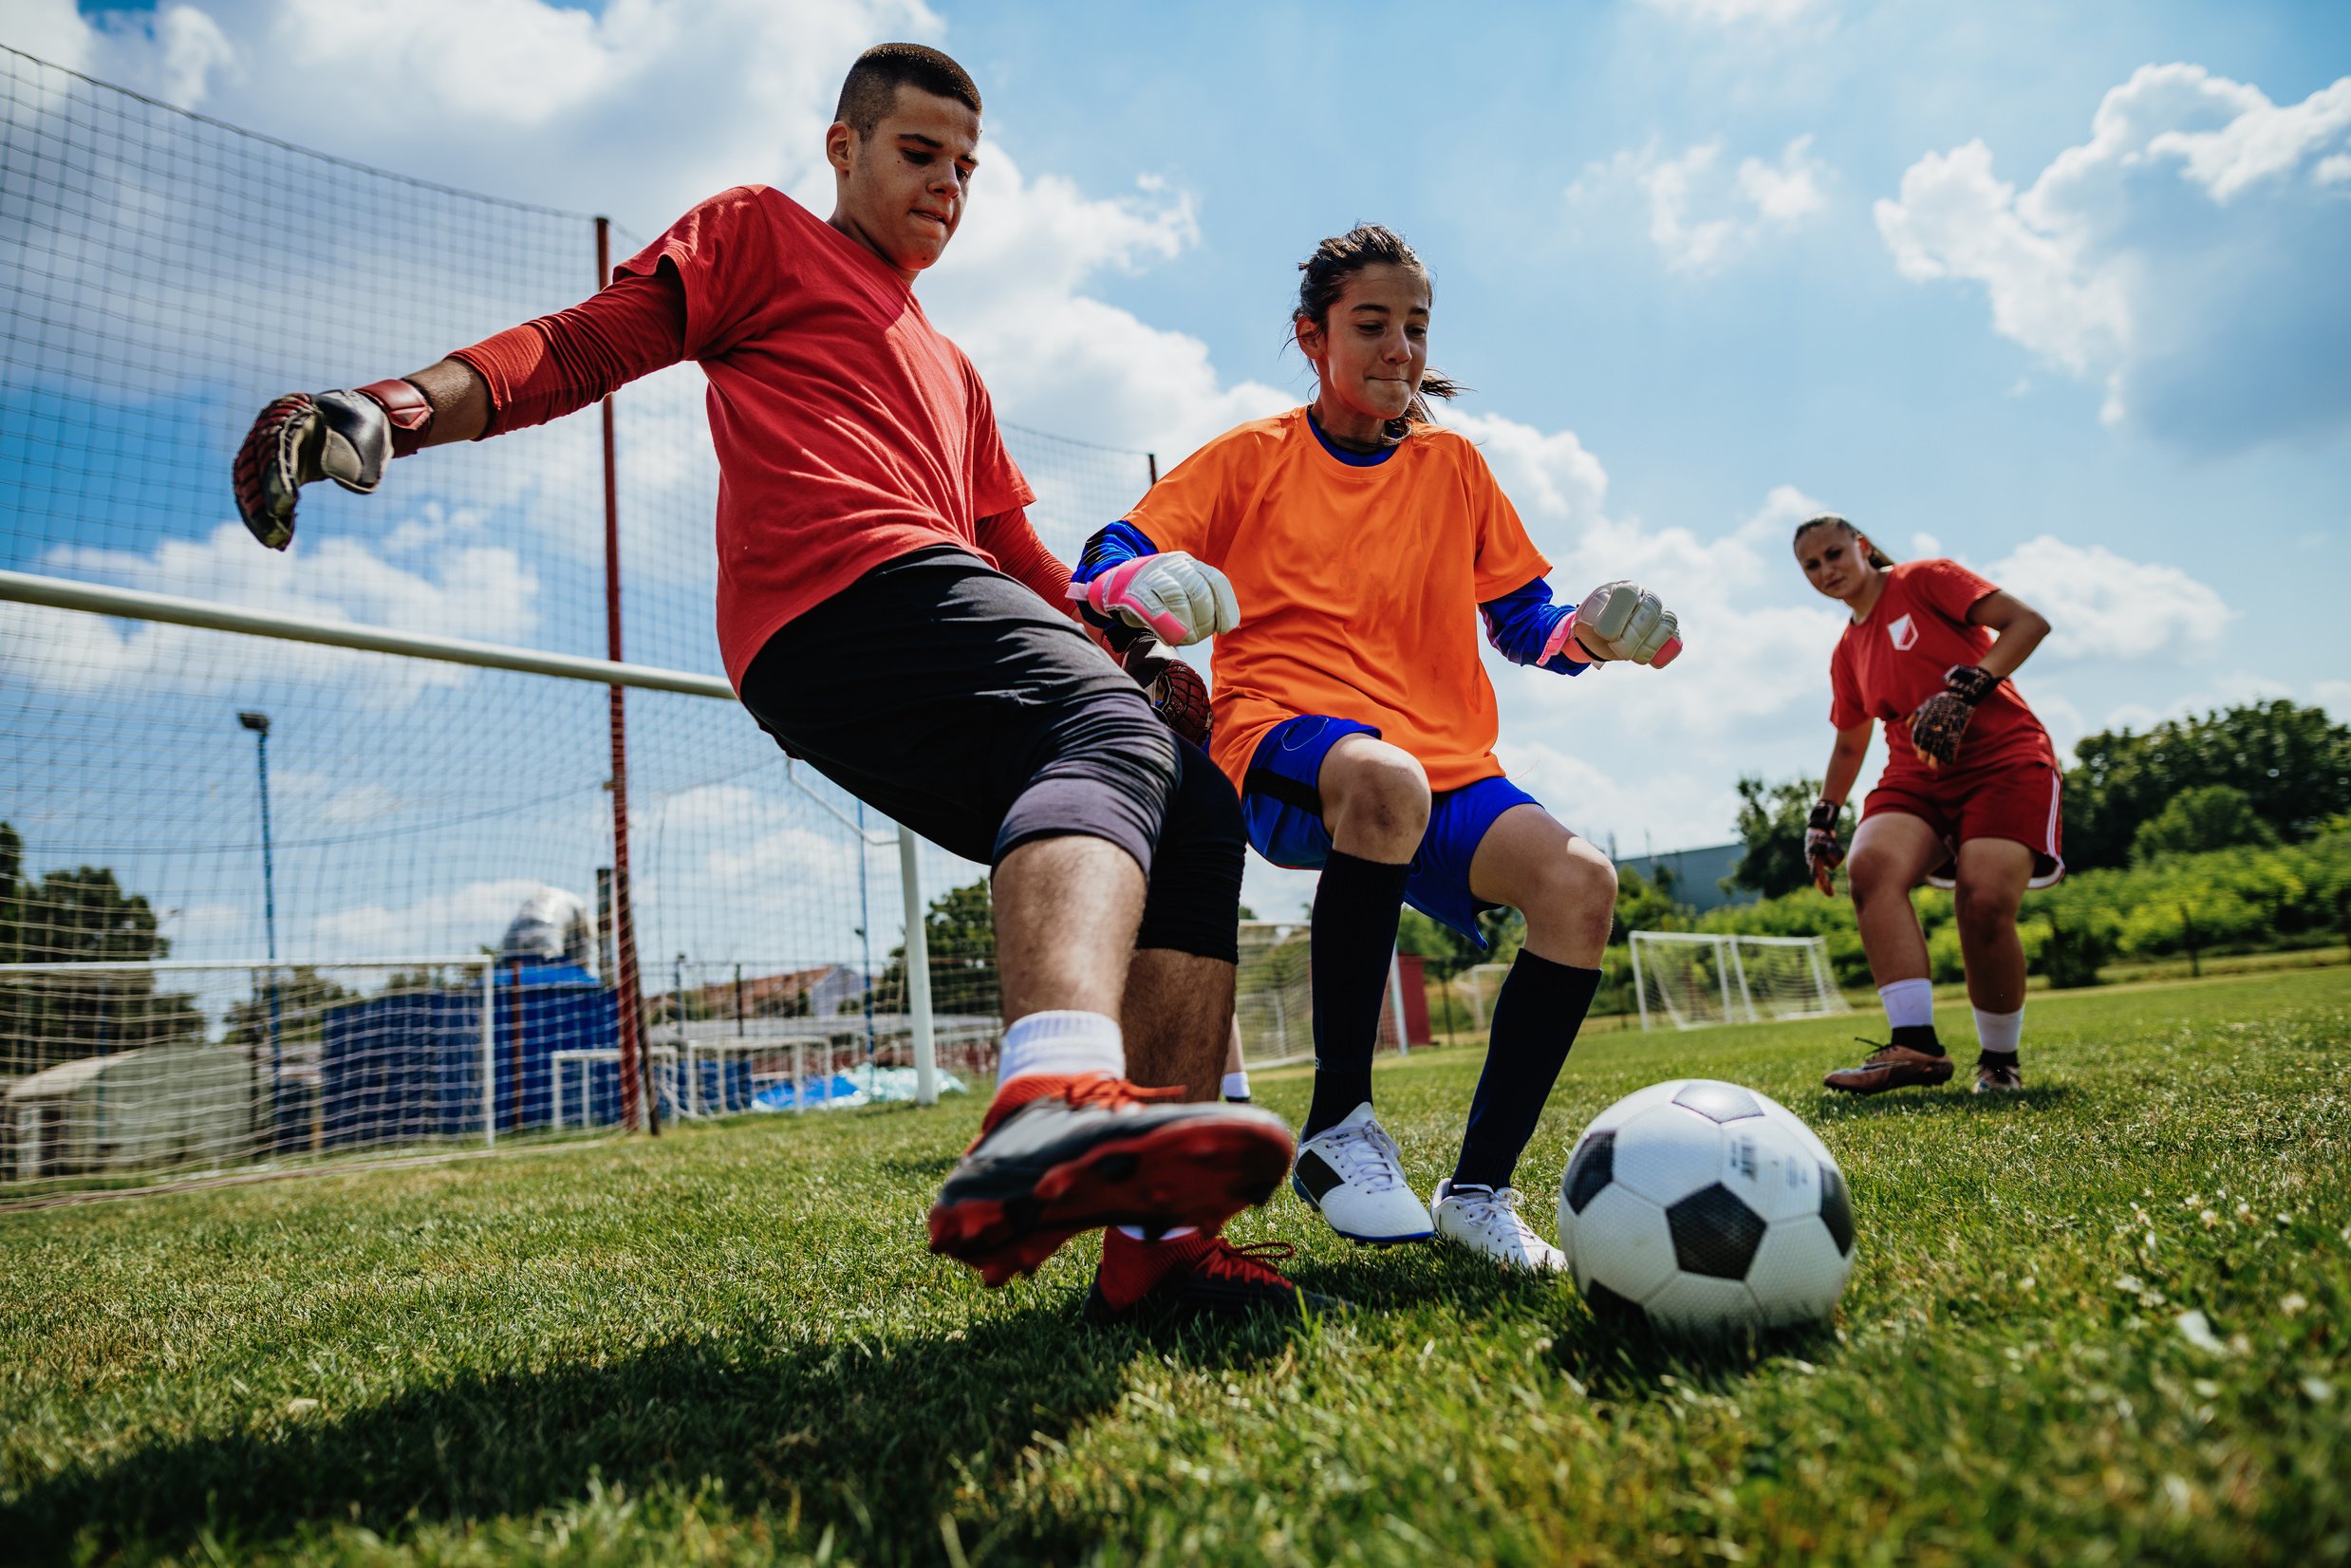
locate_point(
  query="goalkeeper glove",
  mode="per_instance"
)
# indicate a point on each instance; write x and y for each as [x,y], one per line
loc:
[1174,689]
[306,437]
[1623,620]
[1176,599]
[1822,853]
[1942,719]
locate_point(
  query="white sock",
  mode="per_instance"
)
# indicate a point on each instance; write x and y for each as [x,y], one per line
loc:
[1176,1235]
[2000,1032]
[1235,1086]
[1062,1042]
[1910,1004]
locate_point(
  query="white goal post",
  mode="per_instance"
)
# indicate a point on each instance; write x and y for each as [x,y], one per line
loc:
[1691,980]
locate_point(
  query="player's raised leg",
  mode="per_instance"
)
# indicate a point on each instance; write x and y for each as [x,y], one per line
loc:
[1567,890]
[1993,873]
[1374,799]
[1892,852]
[1177,1013]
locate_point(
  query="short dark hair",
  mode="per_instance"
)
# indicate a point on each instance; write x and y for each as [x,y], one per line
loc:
[872,85]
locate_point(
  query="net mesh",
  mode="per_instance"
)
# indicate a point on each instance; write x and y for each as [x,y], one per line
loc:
[1692,979]
[131,1071]
[163,275]
[1274,995]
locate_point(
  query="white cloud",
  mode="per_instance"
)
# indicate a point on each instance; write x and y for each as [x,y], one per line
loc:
[481,591]
[2104,606]
[2187,256]
[1734,12]
[2334,696]
[439,924]
[1703,216]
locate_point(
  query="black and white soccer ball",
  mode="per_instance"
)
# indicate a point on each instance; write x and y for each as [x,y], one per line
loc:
[1707,1210]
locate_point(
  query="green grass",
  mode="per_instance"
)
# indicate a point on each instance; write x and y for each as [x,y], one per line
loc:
[729,1345]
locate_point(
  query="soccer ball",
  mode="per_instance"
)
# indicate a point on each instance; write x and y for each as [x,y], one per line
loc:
[1706,1209]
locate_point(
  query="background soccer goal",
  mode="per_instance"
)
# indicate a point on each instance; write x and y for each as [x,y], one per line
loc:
[1694,979]
[1274,997]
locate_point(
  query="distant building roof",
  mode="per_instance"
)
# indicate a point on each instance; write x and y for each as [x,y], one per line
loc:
[1694,876]
[64,1077]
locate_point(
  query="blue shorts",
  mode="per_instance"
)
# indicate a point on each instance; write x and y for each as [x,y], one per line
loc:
[1281,800]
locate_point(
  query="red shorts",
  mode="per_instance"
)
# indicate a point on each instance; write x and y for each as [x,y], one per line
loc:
[2019,800]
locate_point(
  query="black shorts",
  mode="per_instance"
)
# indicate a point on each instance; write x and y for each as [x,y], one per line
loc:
[950,697]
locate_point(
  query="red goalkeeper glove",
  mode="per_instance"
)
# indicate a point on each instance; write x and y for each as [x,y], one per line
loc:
[1175,690]
[1822,853]
[306,437]
[1941,720]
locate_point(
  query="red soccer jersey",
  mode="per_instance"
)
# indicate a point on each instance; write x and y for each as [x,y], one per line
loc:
[849,431]
[1886,665]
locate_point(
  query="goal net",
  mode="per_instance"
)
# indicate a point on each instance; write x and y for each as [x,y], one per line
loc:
[170,791]
[121,1071]
[1274,997]
[1691,978]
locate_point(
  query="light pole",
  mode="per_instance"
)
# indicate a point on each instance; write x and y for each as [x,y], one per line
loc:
[259,724]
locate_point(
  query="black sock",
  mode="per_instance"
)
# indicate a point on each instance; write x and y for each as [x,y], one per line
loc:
[1356,906]
[1919,1037]
[1536,1016]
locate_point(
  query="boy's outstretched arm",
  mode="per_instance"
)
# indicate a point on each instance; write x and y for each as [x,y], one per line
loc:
[523,376]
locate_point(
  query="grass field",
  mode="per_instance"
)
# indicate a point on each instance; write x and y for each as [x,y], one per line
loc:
[728,1345]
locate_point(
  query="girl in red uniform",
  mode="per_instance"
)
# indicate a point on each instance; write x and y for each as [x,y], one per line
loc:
[1968,800]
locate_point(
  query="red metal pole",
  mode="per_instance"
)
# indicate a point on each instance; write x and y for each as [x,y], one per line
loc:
[637,1108]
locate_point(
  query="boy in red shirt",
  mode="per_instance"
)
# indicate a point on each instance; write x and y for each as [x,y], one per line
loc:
[1968,800]
[865,506]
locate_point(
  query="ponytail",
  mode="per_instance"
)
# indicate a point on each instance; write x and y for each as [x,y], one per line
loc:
[1325,275]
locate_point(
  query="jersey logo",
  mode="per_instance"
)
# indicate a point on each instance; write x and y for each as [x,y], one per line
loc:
[1904,633]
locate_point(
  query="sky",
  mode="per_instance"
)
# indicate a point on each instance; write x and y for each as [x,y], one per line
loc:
[2053,290]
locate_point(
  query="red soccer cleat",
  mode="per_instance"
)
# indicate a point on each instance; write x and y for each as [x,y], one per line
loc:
[1060,1154]
[1195,1277]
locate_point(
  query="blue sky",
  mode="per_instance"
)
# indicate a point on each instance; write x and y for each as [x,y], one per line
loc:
[2052,289]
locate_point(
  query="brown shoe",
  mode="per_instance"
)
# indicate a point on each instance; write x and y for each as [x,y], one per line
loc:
[1891,1066]
[1998,1075]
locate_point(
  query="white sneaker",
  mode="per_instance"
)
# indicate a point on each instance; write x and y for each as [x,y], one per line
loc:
[1353,1174]
[1485,1221]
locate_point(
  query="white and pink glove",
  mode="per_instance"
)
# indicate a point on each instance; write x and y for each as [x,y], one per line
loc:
[1176,599]
[1618,621]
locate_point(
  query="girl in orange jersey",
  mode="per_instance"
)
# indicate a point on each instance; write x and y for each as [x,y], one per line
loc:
[1970,798]
[1343,551]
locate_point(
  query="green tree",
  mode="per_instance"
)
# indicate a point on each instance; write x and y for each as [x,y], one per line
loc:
[2292,762]
[1644,906]
[1771,827]
[81,915]
[2211,816]
[303,998]
[959,928]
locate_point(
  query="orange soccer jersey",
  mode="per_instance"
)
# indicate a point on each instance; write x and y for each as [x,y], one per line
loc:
[1359,587]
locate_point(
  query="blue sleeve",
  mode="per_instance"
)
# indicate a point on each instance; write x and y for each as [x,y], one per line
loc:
[1521,621]
[1119,543]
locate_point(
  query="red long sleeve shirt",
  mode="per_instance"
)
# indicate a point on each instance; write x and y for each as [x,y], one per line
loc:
[849,430]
